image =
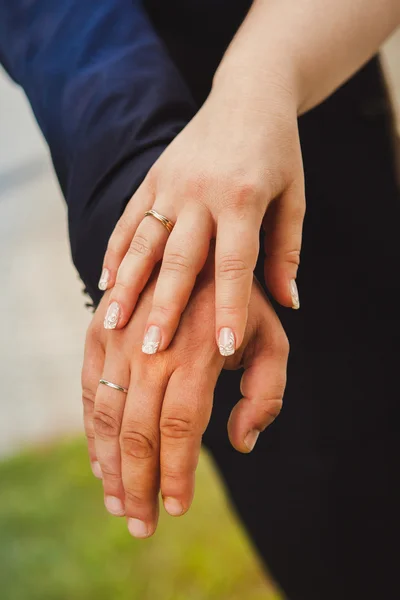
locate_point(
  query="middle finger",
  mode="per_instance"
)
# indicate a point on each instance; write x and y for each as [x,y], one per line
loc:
[140,445]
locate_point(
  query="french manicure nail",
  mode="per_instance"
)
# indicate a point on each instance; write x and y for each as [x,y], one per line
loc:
[104,279]
[151,340]
[112,316]
[226,342]
[294,292]
[114,506]
[138,528]
[173,506]
[96,469]
[251,439]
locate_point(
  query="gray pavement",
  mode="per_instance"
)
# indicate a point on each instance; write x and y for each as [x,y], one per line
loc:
[41,306]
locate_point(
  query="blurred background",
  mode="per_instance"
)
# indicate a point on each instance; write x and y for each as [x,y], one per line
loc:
[56,540]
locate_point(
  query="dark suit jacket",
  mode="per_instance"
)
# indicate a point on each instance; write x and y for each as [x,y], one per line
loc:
[111,82]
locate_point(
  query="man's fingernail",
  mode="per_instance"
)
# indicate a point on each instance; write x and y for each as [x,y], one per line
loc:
[251,439]
[112,316]
[294,292]
[151,340]
[104,279]
[114,506]
[173,506]
[226,342]
[97,469]
[138,528]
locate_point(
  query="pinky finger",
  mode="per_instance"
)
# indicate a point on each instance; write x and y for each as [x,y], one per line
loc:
[91,372]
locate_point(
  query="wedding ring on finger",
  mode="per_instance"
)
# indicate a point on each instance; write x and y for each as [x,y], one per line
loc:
[115,386]
[169,225]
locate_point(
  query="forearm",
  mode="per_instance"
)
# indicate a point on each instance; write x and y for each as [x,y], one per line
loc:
[309,47]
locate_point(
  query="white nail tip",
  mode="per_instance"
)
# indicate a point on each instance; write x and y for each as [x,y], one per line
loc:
[152,340]
[104,279]
[226,342]
[294,294]
[112,316]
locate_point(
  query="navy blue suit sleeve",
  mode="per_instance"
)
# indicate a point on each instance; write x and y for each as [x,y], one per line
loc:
[108,99]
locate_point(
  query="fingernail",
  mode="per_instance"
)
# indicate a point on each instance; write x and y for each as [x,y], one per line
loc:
[137,528]
[104,279]
[114,506]
[226,342]
[294,292]
[251,439]
[112,316]
[151,340]
[173,506]
[97,469]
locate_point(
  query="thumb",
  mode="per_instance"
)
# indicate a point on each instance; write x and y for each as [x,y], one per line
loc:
[283,224]
[262,385]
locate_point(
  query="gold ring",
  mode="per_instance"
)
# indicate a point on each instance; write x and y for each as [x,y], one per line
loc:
[169,225]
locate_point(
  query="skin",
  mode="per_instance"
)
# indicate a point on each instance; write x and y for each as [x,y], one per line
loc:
[235,167]
[149,440]
[237,164]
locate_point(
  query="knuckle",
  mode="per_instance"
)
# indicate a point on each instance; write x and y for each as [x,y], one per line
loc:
[136,444]
[89,434]
[272,408]
[110,474]
[242,195]
[175,427]
[173,475]
[245,191]
[293,257]
[106,422]
[278,345]
[231,267]
[133,498]
[140,247]
[176,262]
[164,311]
[282,346]
[88,397]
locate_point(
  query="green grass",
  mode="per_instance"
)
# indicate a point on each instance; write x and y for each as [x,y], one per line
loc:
[58,543]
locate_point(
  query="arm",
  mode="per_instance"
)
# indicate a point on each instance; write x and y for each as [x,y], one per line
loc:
[107,98]
[313,46]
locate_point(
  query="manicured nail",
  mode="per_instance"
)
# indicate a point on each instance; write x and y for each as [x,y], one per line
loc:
[294,292]
[226,342]
[104,279]
[151,340]
[97,469]
[114,506]
[138,528]
[251,439]
[173,506]
[112,316]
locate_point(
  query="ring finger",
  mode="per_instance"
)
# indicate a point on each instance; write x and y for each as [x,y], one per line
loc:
[140,446]
[107,418]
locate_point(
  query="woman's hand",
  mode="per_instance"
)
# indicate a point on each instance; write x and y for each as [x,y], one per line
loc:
[149,439]
[236,166]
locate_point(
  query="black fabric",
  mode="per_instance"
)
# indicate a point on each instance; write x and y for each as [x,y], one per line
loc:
[319,495]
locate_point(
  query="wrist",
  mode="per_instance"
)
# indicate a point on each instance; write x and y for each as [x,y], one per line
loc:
[258,89]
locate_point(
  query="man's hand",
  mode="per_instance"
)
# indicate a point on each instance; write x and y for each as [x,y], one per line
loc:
[150,438]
